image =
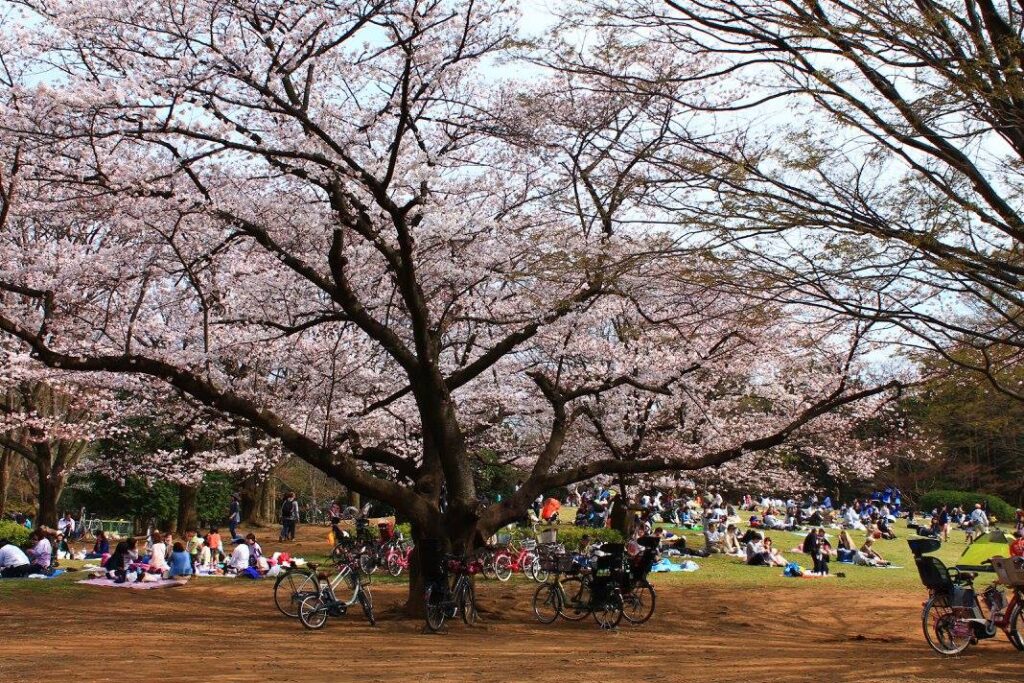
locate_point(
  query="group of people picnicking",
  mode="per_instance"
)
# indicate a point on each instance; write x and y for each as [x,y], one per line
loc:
[875,516]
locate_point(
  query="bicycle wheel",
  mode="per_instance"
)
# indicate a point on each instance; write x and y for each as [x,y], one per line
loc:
[313,612]
[530,562]
[394,565]
[547,603]
[291,588]
[945,633]
[435,608]
[576,603]
[638,604]
[608,611]
[487,565]
[467,604]
[503,567]
[368,562]
[1015,627]
[366,600]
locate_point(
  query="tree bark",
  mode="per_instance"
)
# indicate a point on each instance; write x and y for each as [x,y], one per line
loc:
[188,516]
[6,464]
[51,484]
[622,519]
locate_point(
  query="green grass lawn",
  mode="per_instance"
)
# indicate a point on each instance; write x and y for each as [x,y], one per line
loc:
[715,571]
[719,570]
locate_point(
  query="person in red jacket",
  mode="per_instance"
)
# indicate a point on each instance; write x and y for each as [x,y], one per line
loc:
[1017,547]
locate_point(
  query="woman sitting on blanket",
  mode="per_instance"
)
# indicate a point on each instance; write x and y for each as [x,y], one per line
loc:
[763,554]
[119,563]
[868,556]
[181,562]
[100,548]
[158,557]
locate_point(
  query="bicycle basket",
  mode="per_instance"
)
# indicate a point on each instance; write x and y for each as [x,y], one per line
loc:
[562,564]
[529,544]
[1009,570]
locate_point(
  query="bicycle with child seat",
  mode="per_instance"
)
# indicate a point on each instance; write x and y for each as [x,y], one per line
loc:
[577,595]
[450,591]
[953,618]
[315,609]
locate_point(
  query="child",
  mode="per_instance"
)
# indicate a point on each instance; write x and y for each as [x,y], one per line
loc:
[194,542]
[822,554]
[215,544]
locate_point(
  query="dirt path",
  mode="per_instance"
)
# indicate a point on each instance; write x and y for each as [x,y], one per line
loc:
[223,630]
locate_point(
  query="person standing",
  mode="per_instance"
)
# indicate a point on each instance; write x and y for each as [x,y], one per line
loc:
[289,517]
[234,515]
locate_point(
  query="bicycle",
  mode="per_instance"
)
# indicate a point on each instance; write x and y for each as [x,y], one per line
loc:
[504,562]
[953,618]
[450,590]
[292,586]
[397,557]
[314,609]
[581,593]
[638,594]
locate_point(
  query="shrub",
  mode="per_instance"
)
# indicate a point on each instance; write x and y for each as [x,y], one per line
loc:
[13,532]
[996,506]
[569,535]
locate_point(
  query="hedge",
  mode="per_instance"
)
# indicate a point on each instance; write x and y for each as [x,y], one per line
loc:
[14,532]
[997,508]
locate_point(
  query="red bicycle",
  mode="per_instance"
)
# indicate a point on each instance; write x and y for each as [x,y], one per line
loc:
[397,557]
[504,562]
[953,618]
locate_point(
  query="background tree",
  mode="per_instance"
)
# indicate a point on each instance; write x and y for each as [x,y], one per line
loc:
[872,160]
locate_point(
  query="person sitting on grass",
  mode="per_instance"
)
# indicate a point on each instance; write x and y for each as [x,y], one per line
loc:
[713,540]
[204,556]
[61,549]
[884,530]
[239,556]
[181,562]
[120,561]
[41,552]
[868,556]
[255,551]
[773,558]
[14,563]
[731,542]
[100,548]
[158,555]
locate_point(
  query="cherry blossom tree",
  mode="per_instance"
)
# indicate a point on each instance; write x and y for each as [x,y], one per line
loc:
[327,221]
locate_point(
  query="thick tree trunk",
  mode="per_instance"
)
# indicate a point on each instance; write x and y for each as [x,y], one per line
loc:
[254,495]
[622,516]
[6,465]
[51,484]
[188,517]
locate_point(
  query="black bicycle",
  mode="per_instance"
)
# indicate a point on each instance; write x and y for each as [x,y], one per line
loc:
[450,590]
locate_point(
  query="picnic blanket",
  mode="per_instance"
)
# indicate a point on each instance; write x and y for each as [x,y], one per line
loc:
[666,565]
[137,585]
[54,575]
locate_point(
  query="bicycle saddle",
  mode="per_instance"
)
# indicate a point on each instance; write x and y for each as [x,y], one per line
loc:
[312,565]
[967,576]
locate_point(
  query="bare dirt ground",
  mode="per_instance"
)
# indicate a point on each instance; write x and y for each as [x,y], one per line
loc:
[229,630]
